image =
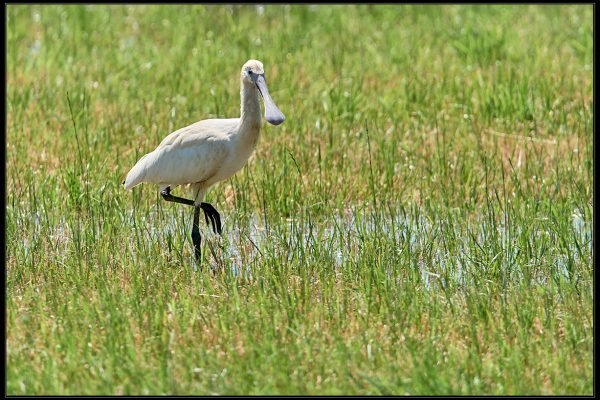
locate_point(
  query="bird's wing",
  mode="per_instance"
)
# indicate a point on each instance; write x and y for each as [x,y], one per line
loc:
[137,174]
[201,129]
[188,155]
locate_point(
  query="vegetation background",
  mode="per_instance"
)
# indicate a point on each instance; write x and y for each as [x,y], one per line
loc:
[420,224]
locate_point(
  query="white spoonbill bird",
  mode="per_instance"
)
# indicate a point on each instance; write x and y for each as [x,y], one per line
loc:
[208,151]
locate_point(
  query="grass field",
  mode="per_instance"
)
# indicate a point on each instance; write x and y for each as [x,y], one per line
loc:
[420,224]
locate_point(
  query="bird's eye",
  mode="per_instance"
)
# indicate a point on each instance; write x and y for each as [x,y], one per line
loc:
[249,72]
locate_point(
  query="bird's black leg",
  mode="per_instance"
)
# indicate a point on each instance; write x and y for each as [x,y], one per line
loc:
[166,194]
[213,215]
[196,238]
[210,214]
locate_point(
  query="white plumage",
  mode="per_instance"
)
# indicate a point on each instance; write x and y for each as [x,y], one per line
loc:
[211,150]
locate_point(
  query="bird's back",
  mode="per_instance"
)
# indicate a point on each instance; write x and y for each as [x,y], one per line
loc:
[189,155]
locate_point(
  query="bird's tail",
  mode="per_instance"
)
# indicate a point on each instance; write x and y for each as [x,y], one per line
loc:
[136,175]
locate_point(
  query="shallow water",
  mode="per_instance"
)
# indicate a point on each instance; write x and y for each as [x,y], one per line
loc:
[338,241]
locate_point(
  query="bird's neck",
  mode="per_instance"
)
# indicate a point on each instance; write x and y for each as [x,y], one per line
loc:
[250,118]
[250,108]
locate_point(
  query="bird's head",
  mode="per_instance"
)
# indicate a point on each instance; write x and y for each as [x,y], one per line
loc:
[251,70]
[253,75]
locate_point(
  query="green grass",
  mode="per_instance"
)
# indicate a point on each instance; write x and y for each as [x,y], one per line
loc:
[420,224]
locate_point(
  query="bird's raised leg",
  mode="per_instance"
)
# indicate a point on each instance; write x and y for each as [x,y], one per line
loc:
[211,215]
[166,194]
[196,238]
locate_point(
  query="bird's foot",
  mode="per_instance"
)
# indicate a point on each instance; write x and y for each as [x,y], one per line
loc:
[213,215]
